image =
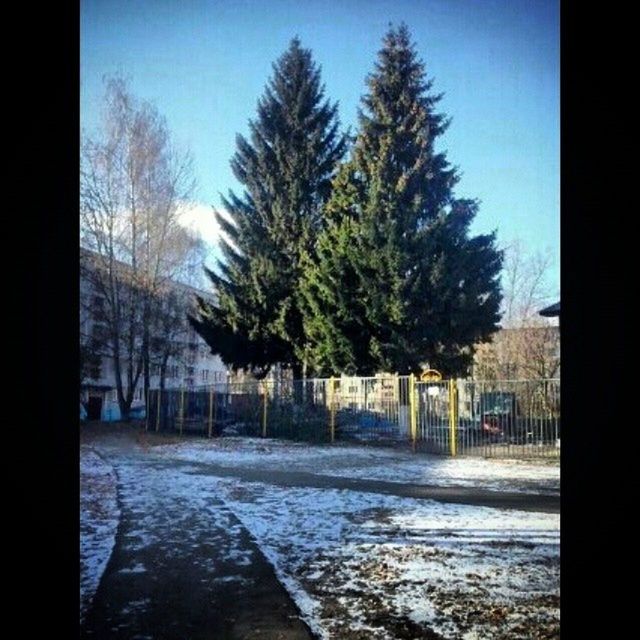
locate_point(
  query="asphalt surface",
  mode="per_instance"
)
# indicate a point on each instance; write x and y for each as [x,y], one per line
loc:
[184,567]
[458,495]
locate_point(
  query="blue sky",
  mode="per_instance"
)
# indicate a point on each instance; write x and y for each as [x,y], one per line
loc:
[204,63]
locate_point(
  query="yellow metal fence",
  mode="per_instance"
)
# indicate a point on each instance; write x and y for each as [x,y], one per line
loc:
[509,418]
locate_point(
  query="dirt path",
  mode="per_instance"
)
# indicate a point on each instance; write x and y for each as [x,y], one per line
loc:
[183,566]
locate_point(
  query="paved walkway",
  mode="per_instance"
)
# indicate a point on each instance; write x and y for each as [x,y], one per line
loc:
[458,495]
[184,567]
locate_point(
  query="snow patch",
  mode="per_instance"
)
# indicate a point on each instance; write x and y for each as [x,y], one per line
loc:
[99,517]
[344,556]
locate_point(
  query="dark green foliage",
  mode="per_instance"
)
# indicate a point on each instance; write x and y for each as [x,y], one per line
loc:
[395,281]
[286,169]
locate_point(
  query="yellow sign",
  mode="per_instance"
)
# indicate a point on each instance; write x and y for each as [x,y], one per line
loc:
[430,375]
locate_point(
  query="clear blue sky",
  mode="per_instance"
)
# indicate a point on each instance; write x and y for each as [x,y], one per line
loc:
[204,63]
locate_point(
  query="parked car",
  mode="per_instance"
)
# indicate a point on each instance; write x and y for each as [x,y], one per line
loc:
[498,414]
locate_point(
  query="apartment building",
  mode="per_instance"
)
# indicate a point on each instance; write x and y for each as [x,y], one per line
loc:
[185,361]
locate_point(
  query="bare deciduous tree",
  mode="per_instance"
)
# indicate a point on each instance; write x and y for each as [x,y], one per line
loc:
[170,329]
[133,186]
[528,345]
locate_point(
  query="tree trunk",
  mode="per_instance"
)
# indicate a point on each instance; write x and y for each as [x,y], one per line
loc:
[133,377]
[146,363]
[304,381]
[163,373]
[124,403]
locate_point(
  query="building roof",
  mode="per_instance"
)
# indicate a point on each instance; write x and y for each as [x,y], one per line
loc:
[551,311]
[93,256]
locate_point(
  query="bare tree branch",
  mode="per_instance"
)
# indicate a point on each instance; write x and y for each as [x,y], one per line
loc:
[133,186]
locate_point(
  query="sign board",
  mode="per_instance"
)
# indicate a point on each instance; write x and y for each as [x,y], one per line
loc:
[430,375]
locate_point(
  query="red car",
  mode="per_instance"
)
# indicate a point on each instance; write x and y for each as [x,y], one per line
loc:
[498,412]
[491,425]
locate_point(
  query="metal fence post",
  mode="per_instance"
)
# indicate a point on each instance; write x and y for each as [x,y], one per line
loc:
[332,411]
[413,411]
[395,411]
[453,415]
[181,409]
[158,412]
[264,410]
[215,406]
[211,392]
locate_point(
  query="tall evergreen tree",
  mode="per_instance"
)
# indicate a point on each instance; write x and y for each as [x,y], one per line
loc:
[286,170]
[396,281]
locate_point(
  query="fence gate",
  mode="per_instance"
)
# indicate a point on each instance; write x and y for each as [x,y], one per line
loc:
[434,416]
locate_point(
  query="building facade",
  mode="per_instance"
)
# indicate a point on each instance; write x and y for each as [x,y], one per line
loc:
[185,360]
[523,353]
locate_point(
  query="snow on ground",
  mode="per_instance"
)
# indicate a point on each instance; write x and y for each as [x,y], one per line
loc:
[363,565]
[358,565]
[369,463]
[99,517]
[175,510]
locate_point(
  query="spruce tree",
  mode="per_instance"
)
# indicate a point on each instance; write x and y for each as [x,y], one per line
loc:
[286,169]
[396,281]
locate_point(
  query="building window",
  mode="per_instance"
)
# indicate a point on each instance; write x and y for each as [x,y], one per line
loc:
[98,335]
[173,372]
[98,303]
[189,371]
[98,308]
[205,375]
